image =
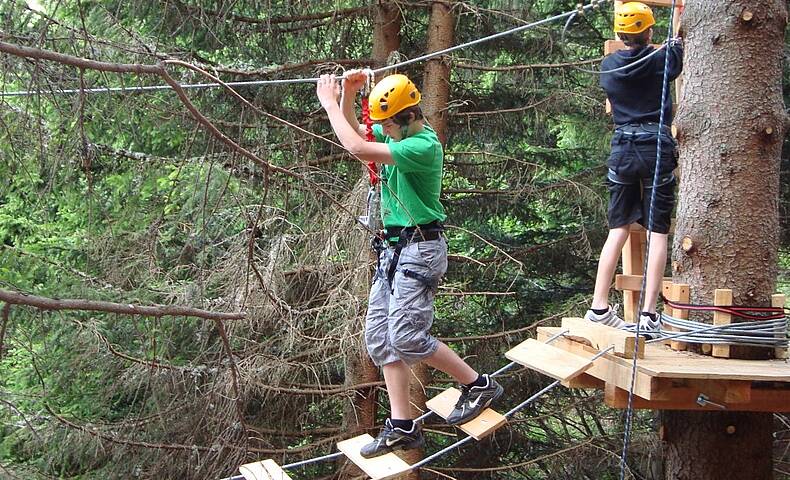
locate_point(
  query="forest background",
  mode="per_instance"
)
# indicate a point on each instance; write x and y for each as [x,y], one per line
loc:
[126,198]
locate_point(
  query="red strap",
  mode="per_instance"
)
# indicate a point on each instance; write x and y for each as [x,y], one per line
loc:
[372,173]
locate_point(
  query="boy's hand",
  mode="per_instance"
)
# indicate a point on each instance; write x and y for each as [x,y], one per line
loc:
[354,80]
[328,91]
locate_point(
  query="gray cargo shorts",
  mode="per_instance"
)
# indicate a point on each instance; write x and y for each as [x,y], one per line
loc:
[398,322]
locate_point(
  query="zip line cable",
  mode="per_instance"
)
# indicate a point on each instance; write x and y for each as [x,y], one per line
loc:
[640,304]
[592,5]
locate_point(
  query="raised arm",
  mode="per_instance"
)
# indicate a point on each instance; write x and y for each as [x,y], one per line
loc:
[328,91]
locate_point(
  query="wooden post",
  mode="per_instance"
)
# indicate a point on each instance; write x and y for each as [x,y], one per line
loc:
[633,255]
[778,300]
[722,297]
[679,292]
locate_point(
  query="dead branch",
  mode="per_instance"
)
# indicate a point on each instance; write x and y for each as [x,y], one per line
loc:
[43,303]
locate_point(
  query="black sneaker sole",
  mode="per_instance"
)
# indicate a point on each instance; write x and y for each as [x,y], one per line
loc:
[499,392]
[418,443]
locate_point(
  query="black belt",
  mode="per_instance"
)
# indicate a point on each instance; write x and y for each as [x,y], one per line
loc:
[407,235]
[647,182]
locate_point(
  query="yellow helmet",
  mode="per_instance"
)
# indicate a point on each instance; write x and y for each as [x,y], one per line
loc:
[391,95]
[633,17]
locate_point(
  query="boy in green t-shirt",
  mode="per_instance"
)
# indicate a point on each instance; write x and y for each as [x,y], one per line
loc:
[400,305]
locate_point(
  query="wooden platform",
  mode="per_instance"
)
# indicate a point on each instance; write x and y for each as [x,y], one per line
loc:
[478,428]
[378,468]
[674,380]
[265,470]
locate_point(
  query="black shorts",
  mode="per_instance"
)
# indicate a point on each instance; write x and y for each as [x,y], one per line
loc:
[634,160]
[631,204]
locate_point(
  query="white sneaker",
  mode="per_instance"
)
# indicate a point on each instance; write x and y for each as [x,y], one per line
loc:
[649,327]
[609,318]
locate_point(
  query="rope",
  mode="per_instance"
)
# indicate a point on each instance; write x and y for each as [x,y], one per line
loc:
[593,4]
[630,409]
[768,333]
[742,311]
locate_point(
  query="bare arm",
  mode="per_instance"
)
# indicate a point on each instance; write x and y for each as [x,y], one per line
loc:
[353,81]
[349,137]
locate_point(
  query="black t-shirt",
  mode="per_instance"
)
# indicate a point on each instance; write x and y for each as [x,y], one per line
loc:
[635,93]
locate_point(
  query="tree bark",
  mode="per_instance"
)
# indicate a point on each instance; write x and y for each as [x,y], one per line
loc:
[436,84]
[731,125]
[386,31]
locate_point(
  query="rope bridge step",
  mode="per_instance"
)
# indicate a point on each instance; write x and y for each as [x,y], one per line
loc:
[479,427]
[265,470]
[378,468]
[548,360]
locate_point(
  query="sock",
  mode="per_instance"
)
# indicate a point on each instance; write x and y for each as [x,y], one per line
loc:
[600,311]
[402,424]
[480,382]
[651,315]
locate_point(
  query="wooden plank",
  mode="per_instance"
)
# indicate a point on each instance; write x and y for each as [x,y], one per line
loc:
[586,381]
[778,300]
[679,292]
[265,470]
[602,336]
[722,297]
[633,255]
[630,282]
[719,391]
[378,468]
[479,427]
[762,400]
[548,360]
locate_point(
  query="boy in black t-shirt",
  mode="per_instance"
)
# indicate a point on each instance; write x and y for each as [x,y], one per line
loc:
[635,95]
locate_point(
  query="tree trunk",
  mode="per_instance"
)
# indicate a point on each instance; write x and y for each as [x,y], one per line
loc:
[436,84]
[731,125]
[386,31]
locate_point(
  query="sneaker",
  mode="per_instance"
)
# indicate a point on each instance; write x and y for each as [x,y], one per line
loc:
[648,327]
[474,400]
[609,318]
[393,438]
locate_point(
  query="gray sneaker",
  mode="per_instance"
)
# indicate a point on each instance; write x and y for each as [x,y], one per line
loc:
[609,318]
[648,327]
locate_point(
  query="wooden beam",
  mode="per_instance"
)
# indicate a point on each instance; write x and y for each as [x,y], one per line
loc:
[633,255]
[265,470]
[631,283]
[585,380]
[601,337]
[778,300]
[548,360]
[761,401]
[378,468]
[720,391]
[479,427]
[679,292]
[722,297]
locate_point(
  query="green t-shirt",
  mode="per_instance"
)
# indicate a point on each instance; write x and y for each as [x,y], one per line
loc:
[411,194]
